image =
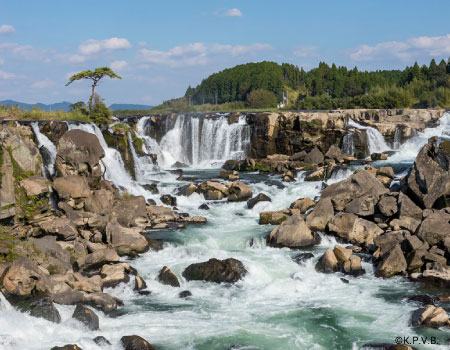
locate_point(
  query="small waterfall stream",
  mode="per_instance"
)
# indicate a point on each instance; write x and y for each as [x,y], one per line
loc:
[376,141]
[47,148]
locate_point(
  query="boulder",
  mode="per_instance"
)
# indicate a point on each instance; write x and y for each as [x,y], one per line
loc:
[135,342]
[187,190]
[213,190]
[51,255]
[131,212]
[41,307]
[185,294]
[342,254]
[114,274]
[239,191]
[386,171]
[318,219]
[73,186]
[301,258]
[393,263]
[328,262]
[362,206]
[97,259]
[360,184]
[35,185]
[293,233]
[169,200]
[314,157]
[387,205]
[67,347]
[316,175]
[217,271]
[303,204]
[102,301]
[435,228]
[379,156]
[429,179]
[87,317]
[7,195]
[101,341]
[139,283]
[124,240]
[261,197]
[158,214]
[99,202]
[86,284]
[167,277]
[79,152]
[430,316]
[334,152]
[274,217]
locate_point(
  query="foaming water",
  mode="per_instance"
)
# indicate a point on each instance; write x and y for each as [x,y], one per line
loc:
[375,139]
[199,142]
[50,149]
[408,151]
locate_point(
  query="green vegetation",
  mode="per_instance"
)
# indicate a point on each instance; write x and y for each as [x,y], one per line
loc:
[16,113]
[18,173]
[260,98]
[7,244]
[96,75]
[1,163]
[28,207]
[323,87]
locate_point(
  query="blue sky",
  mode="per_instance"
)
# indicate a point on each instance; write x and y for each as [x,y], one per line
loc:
[160,47]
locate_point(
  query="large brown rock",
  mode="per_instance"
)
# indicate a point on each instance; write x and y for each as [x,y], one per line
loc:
[314,157]
[99,202]
[217,271]
[435,227]
[7,196]
[239,191]
[73,186]
[79,152]
[293,233]
[213,190]
[261,197]
[360,184]
[97,259]
[387,205]
[51,255]
[131,211]
[353,229]
[429,179]
[431,316]
[135,342]
[393,263]
[124,240]
[328,262]
[35,185]
[274,217]
[303,204]
[318,219]
[167,277]
[87,317]
[114,274]
[62,228]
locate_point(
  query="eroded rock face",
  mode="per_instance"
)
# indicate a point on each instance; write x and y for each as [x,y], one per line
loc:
[429,179]
[87,317]
[435,227]
[167,277]
[322,213]
[126,241]
[293,233]
[79,152]
[131,212]
[217,271]
[239,191]
[35,185]
[7,196]
[63,228]
[431,316]
[135,342]
[73,186]
[261,197]
[97,259]
[393,263]
[303,204]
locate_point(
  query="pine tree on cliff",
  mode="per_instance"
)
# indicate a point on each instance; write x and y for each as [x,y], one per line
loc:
[95,76]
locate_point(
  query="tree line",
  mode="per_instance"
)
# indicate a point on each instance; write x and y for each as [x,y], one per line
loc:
[327,87]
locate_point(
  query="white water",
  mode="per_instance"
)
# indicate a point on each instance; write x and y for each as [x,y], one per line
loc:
[408,151]
[201,143]
[43,141]
[278,305]
[375,140]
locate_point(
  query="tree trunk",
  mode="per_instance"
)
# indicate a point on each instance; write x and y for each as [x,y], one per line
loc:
[91,99]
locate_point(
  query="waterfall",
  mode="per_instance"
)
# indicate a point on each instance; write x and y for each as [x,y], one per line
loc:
[113,163]
[397,138]
[48,150]
[348,143]
[199,142]
[376,141]
[408,151]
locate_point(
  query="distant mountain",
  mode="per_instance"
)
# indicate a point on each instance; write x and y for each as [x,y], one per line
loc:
[51,107]
[65,106]
[123,106]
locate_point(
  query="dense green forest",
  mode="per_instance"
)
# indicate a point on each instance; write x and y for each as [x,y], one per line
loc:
[327,87]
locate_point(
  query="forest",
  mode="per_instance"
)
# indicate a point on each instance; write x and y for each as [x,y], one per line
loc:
[326,87]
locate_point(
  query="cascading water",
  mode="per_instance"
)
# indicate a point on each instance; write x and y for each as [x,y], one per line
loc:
[113,163]
[199,142]
[47,148]
[408,151]
[348,143]
[397,138]
[376,141]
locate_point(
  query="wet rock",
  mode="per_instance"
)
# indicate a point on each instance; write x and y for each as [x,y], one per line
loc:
[167,277]
[379,156]
[386,171]
[344,280]
[102,301]
[112,275]
[323,212]
[195,220]
[328,263]
[101,341]
[155,244]
[67,347]
[239,191]
[334,152]
[302,257]
[185,294]
[135,342]
[229,175]
[314,157]
[187,190]
[293,233]
[178,164]
[126,241]
[87,317]
[213,190]
[274,217]
[139,283]
[73,186]
[353,229]
[393,263]
[431,316]
[303,204]
[423,299]
[158,214]
[214,270]
[316,175]
[261,197]
[386,346]
[152,188]
[40,307]
[169,200]
[204,206]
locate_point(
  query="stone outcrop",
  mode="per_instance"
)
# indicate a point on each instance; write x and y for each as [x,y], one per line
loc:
[293,233]
[217,271]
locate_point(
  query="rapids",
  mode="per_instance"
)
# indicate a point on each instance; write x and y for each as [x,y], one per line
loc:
[278,305]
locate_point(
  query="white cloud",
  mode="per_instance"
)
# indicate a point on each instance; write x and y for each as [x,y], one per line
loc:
[2,61]
[42,84]
[197,53]
[6,29]
[119,65]
[142,43]
[233,13]
[6,75]
[68,75]
[77,58]
[424,46]
[92,46]
[306,51]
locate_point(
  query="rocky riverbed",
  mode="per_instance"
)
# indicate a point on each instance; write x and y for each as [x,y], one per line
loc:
[313,248]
